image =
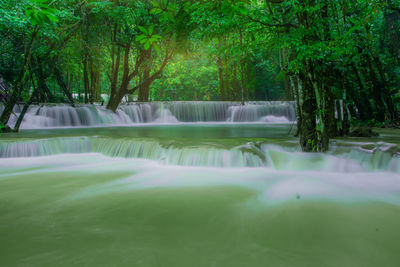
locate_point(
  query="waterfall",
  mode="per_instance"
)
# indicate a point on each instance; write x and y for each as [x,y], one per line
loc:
[264,111]
[125,148]
[155,112]
[166,117]
[198,111]
[247,155]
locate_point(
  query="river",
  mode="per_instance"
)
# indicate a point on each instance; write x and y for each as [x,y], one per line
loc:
[194,190]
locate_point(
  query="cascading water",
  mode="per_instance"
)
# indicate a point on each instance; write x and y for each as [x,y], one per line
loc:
[147,149]
[229,194]
[155,112]
[252,112]
[210,155]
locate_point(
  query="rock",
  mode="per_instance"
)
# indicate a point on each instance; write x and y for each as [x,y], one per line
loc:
[251,148]
[368,147]
[258,144]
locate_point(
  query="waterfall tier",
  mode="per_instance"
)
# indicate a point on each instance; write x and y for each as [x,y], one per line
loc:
[155,112]
[211,155]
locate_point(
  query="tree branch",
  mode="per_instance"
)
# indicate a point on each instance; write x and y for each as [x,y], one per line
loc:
[153,77]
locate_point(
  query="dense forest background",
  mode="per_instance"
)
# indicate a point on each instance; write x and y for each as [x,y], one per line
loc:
[338,60]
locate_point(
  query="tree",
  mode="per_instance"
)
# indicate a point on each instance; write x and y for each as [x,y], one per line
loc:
[36,15]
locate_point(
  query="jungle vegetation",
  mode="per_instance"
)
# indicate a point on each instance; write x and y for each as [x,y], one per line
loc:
[338,60]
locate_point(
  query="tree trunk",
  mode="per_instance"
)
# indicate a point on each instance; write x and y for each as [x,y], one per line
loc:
[364,108]
[145,87]
[24,110]
[296,88]
[44,94]
[114,101]
[220,73]
[117,95]
[376,92]
[85,79]
[5,116]
[322,113]
[386,94]
[63,86]
[392,21]
[307,128]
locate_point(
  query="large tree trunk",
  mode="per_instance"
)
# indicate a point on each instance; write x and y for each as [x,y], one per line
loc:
[307,128]
[114,101]
[322,112]
[314,135]
[144,89]
[117,95]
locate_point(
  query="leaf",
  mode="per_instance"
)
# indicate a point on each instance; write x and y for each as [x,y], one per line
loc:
[143,29]
[28,12]
[35,19]
[150,31]
[157,48]
[156,37]
[140,37]
[51,10]
[155,11]
[53,18]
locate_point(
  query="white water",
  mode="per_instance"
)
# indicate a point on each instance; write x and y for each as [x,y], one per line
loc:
[202,191]
[272,186]
[155,112]
[248,155]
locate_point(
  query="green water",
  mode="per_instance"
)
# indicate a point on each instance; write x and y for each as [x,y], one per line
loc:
[92,210]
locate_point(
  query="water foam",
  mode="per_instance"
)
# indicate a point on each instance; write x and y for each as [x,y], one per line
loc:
[155,112]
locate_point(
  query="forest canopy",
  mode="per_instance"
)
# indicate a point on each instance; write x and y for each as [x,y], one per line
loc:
[338,60]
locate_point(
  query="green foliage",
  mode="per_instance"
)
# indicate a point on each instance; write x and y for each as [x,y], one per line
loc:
[2,126]
[216,50]
[39,12]
[188,77]
[147,38]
